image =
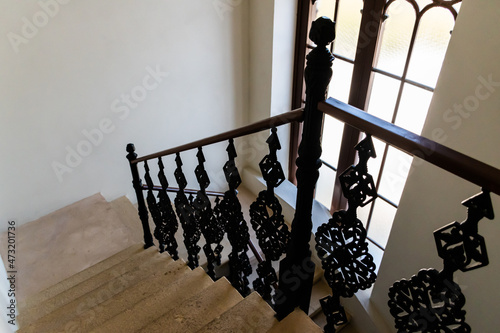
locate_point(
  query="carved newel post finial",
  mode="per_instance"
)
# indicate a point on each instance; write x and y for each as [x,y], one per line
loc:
[317,75]
[322,31]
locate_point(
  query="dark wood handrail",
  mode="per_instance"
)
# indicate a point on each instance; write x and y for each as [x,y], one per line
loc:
[282,119]
[446,158]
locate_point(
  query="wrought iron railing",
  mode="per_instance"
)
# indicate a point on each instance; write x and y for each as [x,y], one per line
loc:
[341,242]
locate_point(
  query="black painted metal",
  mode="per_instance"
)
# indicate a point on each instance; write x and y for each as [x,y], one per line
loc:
[169,220]
[268,221]
[341,243]
[211,227]
[431,301]
[236,227]
[154,209]
[186,214]
[137,183]
[297,266]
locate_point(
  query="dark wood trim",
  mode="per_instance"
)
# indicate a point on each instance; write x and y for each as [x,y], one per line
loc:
[441,156]
[282,119]
[298,88]
[371,24]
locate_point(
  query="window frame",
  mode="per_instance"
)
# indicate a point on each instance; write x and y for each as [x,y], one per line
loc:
[364,67]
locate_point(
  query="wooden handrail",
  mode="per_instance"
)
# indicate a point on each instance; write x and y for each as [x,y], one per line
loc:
[446,158]
[282,119]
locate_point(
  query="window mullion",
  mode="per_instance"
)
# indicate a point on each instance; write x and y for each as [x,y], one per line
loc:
[370,28]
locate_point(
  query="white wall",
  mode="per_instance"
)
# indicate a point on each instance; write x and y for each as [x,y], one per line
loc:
[69,75]
[272,42]
[432,197]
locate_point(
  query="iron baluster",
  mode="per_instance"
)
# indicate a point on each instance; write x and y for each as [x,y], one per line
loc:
[154,209]
[185,212]
[341,242]
[211,228]
[137,183]
[229,210]
[271,230]
[169,220]
[431,301]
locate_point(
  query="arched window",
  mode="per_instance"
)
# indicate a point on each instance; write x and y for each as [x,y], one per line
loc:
[388,57]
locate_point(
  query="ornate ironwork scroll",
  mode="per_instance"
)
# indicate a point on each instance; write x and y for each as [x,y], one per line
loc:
[186,215]
[169,220]
[431,301]
[211,227]
[341,243]
[162,213]
[267,220]
[229,213]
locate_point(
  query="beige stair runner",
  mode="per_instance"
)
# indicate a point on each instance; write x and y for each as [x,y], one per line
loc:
[140,290]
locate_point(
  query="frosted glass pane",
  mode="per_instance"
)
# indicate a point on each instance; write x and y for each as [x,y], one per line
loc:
[377,255]
[413,108]
[348,22]
[362,214]
[423,3]
[396,170]
[383,97]
[430,47]
[381,222]
[396,37]
[324,186]
[325,8]
[341,80]
[374,163]
[331,140]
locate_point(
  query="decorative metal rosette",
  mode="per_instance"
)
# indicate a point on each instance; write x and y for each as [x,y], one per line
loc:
[428,302]
[271,230]
[341,244]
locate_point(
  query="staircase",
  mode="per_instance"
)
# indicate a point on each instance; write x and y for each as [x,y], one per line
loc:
[139,290]
[133,290]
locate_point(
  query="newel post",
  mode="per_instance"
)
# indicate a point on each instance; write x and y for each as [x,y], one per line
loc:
[297,269]
[137,183]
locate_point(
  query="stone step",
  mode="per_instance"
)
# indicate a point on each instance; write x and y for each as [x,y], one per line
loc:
[154,306]
[296,322]
[149,268]
[96,316]
[80,277]
[194,313]
[84,287]
[253,314]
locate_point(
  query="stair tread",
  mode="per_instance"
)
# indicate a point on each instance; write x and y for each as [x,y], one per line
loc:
[129,217]
[154,306]
[149,268]
[120,302]
[194,313]
[253,314]
[296,322]
[319,290]
[68,295]
[80,277]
